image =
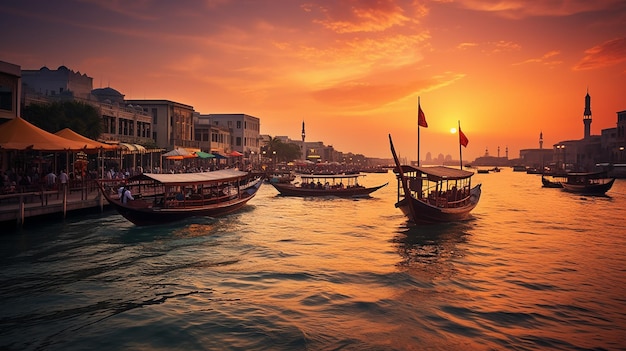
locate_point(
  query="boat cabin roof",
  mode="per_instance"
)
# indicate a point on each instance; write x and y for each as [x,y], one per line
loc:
[438,173]
[331,176]
[192,178]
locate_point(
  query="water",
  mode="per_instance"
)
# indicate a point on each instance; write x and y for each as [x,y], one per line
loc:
[534,269]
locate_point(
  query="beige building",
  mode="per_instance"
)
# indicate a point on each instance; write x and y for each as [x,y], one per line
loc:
[172,123]
[211,137]
[244,130]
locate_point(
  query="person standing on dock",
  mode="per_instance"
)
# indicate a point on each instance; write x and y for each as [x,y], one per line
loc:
[63,179]
[51,180]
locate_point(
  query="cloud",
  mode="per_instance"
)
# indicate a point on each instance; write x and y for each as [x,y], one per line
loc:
[376,92]
[545,59]
[518,9]
[352,16]
[606,54]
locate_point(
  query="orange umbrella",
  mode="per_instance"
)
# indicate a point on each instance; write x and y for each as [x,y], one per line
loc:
[18,134]
[92,144]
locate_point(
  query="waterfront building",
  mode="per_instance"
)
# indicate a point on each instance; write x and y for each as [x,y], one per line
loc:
[172,123]
[61,82]
[536,158]
[582,154]
[244,131]
[122,122]
[10,90]
[211,137]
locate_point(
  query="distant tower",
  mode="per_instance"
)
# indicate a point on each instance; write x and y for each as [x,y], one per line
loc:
[541,140]
[587,115]
[498,151]
[302,147]
[506,152]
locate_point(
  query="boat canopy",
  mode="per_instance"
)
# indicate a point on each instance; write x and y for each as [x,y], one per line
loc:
[192,178]
[331,176]
[438,173]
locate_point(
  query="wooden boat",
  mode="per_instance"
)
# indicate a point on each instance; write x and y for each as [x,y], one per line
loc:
[592,183]
[340,185]
[552,183]
[164,198]
[439,194]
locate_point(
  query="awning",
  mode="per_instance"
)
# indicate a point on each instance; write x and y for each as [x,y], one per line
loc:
[132,147]
[202,154]
[235,153]
[218,156]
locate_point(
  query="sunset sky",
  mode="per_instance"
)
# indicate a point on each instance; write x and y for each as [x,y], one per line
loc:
[351,69]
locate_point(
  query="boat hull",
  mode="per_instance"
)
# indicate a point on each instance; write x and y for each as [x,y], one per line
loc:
[292,190]
[143,212]
[425,213]
[589,189]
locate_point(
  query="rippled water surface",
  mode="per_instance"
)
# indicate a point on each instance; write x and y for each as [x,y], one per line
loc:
[534,269]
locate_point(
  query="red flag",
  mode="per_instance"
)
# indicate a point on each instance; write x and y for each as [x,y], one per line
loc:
[462,138]
[421,118]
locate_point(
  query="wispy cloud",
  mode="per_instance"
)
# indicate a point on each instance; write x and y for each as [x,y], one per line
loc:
[351,16]
[546,59]
[606,54]
[520,8]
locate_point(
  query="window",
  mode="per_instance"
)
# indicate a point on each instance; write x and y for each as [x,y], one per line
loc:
[6,99]
[238,124]
[238,141]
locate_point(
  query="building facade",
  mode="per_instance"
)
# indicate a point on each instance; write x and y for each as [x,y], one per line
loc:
[212,138]
[244,130]
[172,123]
[123,123]
[10,90]
[59,82]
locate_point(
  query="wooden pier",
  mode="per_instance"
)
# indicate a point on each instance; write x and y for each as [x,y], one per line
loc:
[18,208]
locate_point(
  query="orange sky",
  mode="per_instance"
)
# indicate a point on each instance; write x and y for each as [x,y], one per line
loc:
[351,69]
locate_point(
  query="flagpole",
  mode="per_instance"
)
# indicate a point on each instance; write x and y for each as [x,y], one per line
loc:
[418,132]
[460,149]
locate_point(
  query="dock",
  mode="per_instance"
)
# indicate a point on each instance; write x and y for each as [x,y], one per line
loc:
[20,207]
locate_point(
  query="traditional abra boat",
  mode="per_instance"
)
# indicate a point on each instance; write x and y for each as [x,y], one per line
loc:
[327,185]
[428,195]
[592,183]
[164,198]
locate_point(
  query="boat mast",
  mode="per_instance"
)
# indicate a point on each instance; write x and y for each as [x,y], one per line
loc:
[460,150]
[418,132]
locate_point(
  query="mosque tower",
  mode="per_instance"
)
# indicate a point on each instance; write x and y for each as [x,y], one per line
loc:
[541,140]
[587,115]
[302,147]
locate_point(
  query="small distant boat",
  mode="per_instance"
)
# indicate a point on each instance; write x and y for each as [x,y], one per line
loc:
[439,194]
[340,185]
[591,183]
[483,171]
[519,168]
[165,198]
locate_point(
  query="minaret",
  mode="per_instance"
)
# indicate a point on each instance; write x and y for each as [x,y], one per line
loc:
[587,115]
[541,140]
[302,147]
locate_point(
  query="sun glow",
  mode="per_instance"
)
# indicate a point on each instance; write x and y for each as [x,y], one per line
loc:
[452,130]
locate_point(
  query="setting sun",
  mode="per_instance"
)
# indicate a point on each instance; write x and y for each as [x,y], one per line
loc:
[452,130]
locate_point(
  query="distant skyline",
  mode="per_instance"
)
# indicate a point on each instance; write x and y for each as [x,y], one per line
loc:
[351,69]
